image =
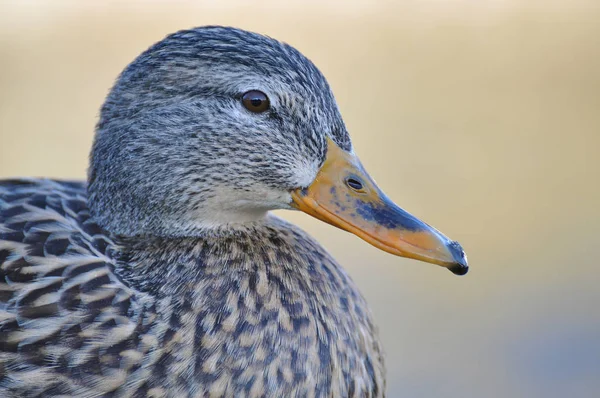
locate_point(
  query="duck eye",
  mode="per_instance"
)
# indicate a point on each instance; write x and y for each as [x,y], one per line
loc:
[255,101]
[354,184]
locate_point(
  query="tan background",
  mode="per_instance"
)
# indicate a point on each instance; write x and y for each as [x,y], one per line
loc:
[481,117]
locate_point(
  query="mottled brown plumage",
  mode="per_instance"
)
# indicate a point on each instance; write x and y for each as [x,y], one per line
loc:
[263,310]
[165,275]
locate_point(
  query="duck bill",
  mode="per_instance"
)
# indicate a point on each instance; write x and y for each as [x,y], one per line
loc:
[344,195]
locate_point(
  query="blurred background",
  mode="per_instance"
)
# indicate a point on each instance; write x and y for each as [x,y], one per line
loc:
[482,117]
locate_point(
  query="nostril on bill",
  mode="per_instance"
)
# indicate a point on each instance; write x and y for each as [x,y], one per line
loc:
[354,184]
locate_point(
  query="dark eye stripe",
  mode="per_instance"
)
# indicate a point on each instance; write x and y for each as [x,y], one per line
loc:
[256,101]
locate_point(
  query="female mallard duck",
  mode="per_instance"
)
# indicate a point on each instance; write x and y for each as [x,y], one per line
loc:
[165,275]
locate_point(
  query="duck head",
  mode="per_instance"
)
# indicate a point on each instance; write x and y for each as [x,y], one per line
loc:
[211,128]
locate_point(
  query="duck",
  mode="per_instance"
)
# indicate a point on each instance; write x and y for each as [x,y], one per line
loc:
[165,273]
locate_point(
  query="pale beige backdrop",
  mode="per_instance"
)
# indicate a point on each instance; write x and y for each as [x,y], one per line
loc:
[481,117]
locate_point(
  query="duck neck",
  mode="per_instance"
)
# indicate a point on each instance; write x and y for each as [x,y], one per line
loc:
[162,266]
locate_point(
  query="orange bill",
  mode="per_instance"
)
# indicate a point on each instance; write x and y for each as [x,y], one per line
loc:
[344,195]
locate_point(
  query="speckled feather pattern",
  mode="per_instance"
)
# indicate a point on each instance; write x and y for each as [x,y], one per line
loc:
[177,107]
[263,312]
[164,275]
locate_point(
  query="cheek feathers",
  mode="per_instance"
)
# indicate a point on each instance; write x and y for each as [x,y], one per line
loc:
[305,173]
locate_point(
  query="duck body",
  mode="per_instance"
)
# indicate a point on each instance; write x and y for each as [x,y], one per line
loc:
[260,311]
